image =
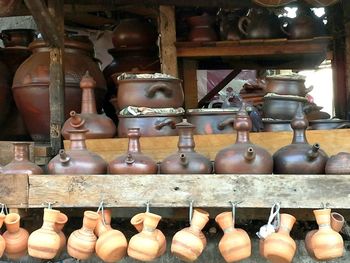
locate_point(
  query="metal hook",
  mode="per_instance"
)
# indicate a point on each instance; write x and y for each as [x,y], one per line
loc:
[101,208]
[2,208]
[190,212]
[6,209]
[234,205]
[49,204]
[147,206]
[325,205]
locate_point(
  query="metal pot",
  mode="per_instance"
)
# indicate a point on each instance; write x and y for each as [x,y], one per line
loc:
[328,124]
[150,125]
[276,125]
[149,92]
[281,107]
[287,85]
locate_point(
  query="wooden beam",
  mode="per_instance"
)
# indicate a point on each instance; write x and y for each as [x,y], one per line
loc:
[190,83]
[14,190]
[346,9]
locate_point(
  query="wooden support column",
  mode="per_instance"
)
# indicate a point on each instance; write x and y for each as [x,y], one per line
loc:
[190,83]
[346,10]
[167,40]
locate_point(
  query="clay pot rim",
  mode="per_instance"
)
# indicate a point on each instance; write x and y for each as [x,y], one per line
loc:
[221,215]
[337,217]
[328,121]
[151,115]
[68,43]
[137,219]
[91,215]
[214,111]
[176,80]
[121,50]
[288,98]
[275,121]
[285,78]
[12,218]
[202,212]
[62,219]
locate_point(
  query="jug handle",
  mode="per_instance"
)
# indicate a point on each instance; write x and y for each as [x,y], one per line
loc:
[166,122]
[162,87]
[283,21]
[225,122]
[241,23]
[309,89]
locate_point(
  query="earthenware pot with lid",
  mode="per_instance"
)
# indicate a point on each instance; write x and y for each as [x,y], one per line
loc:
[287,85]
[17,37]
[202,28]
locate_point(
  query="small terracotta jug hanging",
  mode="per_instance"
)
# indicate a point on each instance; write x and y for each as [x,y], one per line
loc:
[62,219]
[111,244]
[99,125]
[186,160]
[189,243]
[134,161]
[16,238]
[235,245]
[44,243]
[279,246]
[144,246]
[81,243]
[2,240]
[21,163]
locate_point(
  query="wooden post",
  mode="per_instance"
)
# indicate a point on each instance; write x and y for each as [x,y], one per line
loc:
[190,83]
[346,10]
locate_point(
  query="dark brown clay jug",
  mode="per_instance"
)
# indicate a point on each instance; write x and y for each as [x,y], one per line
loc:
[338,164]
[300,157]
[21,163]
[186,160]
[77,160]
[99,125]
[202,28]
[134,161]
[31,84]
[243,157]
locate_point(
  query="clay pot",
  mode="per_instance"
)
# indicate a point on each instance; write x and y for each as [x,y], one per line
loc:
[59,224]
[144,246]
[16,238]
[137,222]
[99,125]
[188,243]
[5,92]
[111,243]
[134,161]
[338,164]
[243,157]
[328,124]
[2,240]
[273,3]
[21,163]
[281,107]
[287,85]
[17,37]
[327,244]
[44,243]
[186,160]
[202,28]
[235,245]
[8,6]
[32,81]
[271,125]
[300,157]
[77,160]
[81,243]
[279,246]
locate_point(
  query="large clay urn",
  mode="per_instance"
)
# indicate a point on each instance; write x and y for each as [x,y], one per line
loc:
[59,224]
[78,159]
[144,246]
[235,245]
[279,247]
[300,157]
[81,243]
[21,163]
[99,125]
[16,238]
[186,160]
[338,164]
[44,243]
[2,240]
[134,161]
[31,84]
[111,243]
[243,157]
[189,243]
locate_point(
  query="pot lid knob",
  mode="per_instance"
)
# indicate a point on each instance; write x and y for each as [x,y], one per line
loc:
[87,82]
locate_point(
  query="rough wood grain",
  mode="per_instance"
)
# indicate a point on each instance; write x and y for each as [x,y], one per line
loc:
[6,152]
[14,190]
[190,83]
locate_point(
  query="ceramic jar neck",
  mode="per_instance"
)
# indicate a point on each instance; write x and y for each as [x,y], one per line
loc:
[134,140]
[88,102]
[299,136]
[186,141]
[242,125]
[299,125]
[21,152]
[287,222]
[77,139]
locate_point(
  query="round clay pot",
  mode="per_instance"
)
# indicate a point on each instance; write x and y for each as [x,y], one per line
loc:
[2,240]
[338,164]
[44,243]
[61,220]
[281,107]
[337,221]
[202,28]
[287,85]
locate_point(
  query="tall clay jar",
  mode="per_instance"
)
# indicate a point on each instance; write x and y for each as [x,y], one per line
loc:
[16,238]
[279,246]
[186,160]
[134,161]
[188,243]
[99,125]
[144,246]
[243,157]
[21,163]
[61,220]
[235,245]
[44,243]
[81,243]
[2,240]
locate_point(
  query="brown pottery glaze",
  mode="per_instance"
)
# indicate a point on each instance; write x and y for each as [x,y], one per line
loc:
[61,220]
[338,164]
[2,240]
[243,157]
[281,107]
[21,163]
[271,125]
[5,92]
[134,161]
[284,85]
[328,124]
[81,243]
[8,6]
[44,243]
[17,37]
[202,28]
[273,3]
[31,84]
[99,125]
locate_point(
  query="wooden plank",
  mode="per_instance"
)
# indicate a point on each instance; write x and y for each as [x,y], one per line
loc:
[190,83]
[346,8]
[293,191]
[14,190]
[167,39]
[6,152]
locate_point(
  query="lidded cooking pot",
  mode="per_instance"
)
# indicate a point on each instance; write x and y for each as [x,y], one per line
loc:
[243,157]
[186,160]
[287,85]
[300,157]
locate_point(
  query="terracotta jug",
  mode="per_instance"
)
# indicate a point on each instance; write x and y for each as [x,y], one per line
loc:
[99,125]
[2,240]
[21,163]
[81,243]
[235,245]
[59,224]
[111,243]
[300,157]
[188,243]
[77,160]
[144,246]
[338,164]
[280,247]
[137,222]
[243,157]
[186,160]
[16,238]
[134,161]
[44,243]
[202,28]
